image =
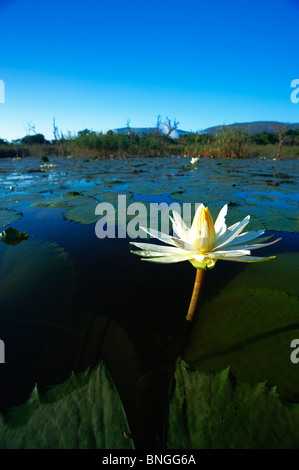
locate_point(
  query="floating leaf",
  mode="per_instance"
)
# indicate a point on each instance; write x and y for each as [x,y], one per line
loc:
[249,329]
[244,183]
[282,276]
[83,212]
[17,197]
[82,209]
[9,216]
[215,411]
[37,276]
[11,236]
[85,412]
[57,202]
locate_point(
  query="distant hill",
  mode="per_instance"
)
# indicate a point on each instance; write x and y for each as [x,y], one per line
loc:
[147,130]
[247,127]
[250,127]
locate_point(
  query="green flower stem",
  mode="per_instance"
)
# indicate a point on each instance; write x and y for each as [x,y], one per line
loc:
[197,290]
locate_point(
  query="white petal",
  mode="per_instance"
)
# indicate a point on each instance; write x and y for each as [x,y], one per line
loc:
[246,237]
[249,259]
[158,248]
[232,227]
[228,254]
[169,259]
[255,247]
[163,237]
[220,225]
[183,245]
[230,235]
[150,254]
[179,226]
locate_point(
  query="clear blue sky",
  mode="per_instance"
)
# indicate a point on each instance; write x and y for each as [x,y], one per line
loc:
[95,64]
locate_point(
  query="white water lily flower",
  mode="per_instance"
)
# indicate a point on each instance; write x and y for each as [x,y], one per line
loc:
[205,242]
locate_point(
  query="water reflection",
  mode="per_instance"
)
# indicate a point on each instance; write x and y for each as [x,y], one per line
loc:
[69,300]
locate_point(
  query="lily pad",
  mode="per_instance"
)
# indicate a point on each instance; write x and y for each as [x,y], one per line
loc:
[215,411]
[283,276]
[36,275]
[9,216]
[11,236]
[85,412]
[18,197]
[57,202]
[249,329]
[83,212]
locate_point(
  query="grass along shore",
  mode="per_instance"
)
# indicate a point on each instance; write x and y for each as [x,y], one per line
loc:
[90,144]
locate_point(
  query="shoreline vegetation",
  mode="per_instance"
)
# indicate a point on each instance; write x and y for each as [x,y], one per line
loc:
[228,143]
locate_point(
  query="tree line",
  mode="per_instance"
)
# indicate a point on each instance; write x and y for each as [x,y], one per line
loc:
[228,143]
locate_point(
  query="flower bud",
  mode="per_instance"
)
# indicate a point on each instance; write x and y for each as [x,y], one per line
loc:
[203,235]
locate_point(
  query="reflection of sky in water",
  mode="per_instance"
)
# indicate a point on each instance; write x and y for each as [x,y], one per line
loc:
[271,198]
[155,199]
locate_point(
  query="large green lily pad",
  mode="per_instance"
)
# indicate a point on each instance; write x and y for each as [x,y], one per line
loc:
[249,325]
[37,276]
[83,212]
[213,410]
[85,412]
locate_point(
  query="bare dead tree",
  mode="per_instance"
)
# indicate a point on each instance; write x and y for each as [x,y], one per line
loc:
[129,126]
[158,124]
[55,130]
[58,138]
[30,127]
[281,129]
[170,126]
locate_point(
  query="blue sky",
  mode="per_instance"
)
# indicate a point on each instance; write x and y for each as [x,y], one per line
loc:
[96,64]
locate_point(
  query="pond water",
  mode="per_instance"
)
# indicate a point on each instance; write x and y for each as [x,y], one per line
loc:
[70,300]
